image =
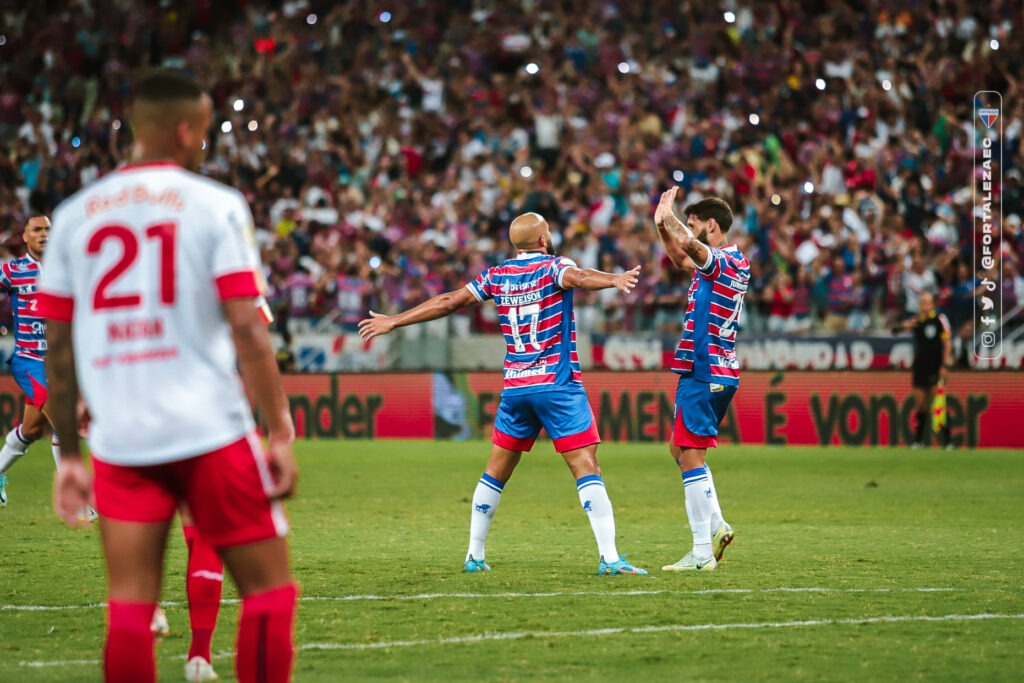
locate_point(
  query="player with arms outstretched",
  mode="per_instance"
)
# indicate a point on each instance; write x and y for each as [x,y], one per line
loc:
[705,361]
[149,303]
[543,383]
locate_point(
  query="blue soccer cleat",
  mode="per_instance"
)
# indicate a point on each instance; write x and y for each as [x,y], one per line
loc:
[473,566]
[3,490]
[620,566]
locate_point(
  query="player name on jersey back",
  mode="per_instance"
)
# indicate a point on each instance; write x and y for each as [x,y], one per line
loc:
[536,318]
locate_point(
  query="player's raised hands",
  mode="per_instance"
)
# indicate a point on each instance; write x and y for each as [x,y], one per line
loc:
[376,325]
[664,210]
[625,282]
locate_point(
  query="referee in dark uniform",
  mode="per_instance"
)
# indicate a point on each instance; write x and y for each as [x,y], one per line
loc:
[933,355]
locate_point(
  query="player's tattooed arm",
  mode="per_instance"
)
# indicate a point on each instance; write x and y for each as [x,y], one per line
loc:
[675,235]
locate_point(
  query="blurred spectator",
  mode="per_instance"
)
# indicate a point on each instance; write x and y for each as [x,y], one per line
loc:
[384,154]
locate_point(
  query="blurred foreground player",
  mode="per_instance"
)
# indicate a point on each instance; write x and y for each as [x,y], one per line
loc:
[543,383]
[150,310]
[705,361]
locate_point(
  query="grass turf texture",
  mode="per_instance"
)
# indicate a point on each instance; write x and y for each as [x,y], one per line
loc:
[870,528]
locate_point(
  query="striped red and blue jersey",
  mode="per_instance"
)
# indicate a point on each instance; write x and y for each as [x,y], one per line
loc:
[537,319]
[708,345]
[18,278]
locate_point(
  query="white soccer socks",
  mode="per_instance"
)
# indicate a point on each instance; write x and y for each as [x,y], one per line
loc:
[15,446]
[485,501]
[699,495]
[597,505]
[717,520]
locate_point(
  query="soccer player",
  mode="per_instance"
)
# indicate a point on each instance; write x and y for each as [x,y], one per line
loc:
[543,383]
[933,356]
[705,361]
[18,278]
[150,311]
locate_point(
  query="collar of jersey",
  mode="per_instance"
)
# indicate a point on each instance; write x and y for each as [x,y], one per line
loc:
[530,254]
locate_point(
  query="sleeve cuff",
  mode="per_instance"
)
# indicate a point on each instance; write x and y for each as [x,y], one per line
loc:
[707,265]
[240,285]
[55,306]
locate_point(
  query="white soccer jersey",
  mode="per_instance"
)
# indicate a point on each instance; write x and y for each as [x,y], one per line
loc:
[140,262]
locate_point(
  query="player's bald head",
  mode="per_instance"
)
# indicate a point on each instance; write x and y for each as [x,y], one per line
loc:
[526,231]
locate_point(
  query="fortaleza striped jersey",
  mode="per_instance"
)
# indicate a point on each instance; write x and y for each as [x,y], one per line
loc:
[537,319]
[18,278]
[714,301]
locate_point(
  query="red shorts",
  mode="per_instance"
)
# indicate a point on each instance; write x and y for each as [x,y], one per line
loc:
[226,492]
[684,438]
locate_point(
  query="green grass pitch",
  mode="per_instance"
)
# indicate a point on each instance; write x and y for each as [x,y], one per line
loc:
[849,564]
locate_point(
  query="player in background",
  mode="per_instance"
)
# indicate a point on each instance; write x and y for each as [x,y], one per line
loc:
[543,383]
[18,278]
[933,356]
[149,308]
[705,361]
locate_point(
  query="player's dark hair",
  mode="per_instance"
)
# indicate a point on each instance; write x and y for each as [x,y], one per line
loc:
[712,207]
[161,86]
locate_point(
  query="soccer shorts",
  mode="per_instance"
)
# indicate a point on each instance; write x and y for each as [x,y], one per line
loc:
[226,492]
[30,374]
[924,377]
[700,408]
[564,413]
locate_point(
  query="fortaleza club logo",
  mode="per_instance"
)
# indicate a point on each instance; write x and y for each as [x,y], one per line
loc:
[988,116]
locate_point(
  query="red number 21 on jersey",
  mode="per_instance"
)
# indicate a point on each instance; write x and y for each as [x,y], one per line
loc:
[163,233]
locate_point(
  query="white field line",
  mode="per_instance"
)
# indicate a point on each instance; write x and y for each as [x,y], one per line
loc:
[474,596]
[669,628]
[518,635]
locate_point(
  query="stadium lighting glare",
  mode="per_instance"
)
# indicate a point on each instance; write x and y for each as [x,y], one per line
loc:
[116,125]
[678,175]
[375,262]
[886,85]
[385,17]
[623,67]
[820,84]
[3,39]
[994,44]
[754,119]
[238,105]
[204,145]
[253,125]
[532,68]
[776,199]
[526,172]
[730,18]
[76,142]
[310,18]
[225,127]
[809,187]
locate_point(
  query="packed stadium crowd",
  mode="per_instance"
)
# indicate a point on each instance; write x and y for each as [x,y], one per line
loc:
[385,149]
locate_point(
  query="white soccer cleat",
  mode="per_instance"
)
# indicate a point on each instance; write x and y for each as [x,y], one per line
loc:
[159,625]
[198,669]
[692,563]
